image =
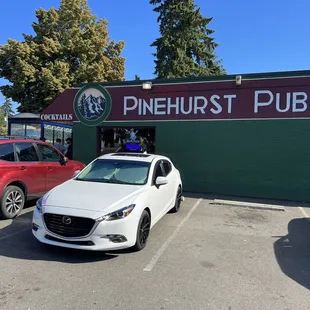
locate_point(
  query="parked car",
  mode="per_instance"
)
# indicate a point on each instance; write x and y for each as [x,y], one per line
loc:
[29,169]
[112,204]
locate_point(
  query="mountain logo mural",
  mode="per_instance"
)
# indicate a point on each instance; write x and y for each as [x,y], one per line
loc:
[91,107]
[92,104]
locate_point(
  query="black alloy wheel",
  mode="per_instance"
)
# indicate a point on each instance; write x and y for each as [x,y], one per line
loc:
[178,201]
[143,231]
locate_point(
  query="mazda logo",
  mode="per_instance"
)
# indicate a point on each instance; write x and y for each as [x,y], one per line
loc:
[66,220]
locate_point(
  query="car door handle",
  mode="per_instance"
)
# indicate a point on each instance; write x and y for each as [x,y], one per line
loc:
[49,168]
[22,168]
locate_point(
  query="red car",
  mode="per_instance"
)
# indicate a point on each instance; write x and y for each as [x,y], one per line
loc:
[28,169]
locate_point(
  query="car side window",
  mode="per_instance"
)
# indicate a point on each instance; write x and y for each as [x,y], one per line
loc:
[26,152]
[7,152]
[167,167]
[48,153]
[158,172]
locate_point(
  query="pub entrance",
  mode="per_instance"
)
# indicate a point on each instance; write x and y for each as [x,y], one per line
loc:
[126,139]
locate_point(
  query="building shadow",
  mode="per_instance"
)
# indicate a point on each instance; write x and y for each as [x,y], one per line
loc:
[293,251]
[17,241]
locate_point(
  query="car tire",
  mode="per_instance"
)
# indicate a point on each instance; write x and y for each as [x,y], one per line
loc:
[178,200]
[143,231]
[15,195]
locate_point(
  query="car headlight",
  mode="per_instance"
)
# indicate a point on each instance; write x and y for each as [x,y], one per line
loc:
[117,215]
[40,204]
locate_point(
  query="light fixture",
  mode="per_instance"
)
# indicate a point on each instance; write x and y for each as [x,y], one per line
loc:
[147,85]
[238,80]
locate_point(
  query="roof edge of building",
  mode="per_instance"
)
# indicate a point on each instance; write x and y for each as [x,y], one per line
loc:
[219,78]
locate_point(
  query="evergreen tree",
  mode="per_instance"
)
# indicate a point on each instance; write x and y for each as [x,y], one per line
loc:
[137,77]
[7,107]
[185,48]
[69,46]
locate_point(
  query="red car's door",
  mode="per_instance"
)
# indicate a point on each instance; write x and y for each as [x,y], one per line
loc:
[55,172]
[31,171]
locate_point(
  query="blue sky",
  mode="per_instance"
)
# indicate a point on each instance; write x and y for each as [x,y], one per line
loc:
[254,36]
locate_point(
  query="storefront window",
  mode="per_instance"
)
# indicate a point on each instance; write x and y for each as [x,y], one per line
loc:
[140,139]
[53,132]
[18,129]
[33,131]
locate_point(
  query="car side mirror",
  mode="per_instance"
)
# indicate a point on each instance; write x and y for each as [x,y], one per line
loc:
[76,172]
[63,160]
[161,181]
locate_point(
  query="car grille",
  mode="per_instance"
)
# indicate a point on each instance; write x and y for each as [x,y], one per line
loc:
[68,226]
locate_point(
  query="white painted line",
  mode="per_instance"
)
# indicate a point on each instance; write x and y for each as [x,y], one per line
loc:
[305,214]
[160,252]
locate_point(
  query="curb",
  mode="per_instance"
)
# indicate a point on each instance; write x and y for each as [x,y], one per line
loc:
[250,205]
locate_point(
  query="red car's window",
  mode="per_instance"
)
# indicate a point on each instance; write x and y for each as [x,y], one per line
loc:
[26,152]
[7,152]
[48,153]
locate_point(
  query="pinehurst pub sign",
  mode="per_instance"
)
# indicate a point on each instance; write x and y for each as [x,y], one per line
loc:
[272,98]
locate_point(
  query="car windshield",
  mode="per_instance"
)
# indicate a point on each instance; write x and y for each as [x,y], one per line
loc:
[116,171]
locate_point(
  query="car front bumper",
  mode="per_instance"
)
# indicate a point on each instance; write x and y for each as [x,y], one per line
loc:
[98,240]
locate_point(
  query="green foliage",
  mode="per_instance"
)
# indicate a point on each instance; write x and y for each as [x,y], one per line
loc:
[185,48]
[2,118]
[7,107]
[70,45]
[137,77]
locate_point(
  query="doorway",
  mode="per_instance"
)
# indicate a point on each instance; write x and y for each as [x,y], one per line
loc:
[127,139]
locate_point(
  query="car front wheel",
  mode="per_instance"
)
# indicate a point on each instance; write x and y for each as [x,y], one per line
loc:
[143,231]
[12,202]
[178,201]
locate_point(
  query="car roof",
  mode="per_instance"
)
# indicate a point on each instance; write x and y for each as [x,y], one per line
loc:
[3,141]
[133,156]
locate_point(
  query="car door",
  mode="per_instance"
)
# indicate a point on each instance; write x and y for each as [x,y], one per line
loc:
[158,195]
[30,170]
[171,186]
[55,172]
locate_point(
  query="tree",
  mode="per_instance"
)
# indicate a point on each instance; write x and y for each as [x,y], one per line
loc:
[69,46]
[3,129]
[185,48]
[7,108]
[137,77]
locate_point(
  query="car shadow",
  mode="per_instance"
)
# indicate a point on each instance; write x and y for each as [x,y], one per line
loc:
[17,241]
[293,251]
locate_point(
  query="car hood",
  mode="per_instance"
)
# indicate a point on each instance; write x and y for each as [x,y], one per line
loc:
[90,196]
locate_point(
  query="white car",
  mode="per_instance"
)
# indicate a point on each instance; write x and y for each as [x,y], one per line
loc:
[111,204]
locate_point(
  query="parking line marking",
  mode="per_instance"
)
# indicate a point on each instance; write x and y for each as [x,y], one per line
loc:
[305,214]
[160,252]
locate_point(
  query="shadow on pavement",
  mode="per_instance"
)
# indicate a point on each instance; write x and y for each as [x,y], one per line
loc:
[17,241]
[293,252]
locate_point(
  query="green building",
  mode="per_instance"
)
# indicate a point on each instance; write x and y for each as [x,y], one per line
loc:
[231,135]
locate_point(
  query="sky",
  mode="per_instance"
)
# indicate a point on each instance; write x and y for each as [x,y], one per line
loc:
[253,36]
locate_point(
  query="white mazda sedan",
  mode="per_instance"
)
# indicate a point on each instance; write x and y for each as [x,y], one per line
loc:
[111,204]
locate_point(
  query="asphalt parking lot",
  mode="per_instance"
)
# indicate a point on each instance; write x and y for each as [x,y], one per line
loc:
[205,257]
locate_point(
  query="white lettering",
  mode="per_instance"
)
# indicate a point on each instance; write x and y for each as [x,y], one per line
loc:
[132,107]
[230,101]
[300,101]
[55,117]
[148,107]
[278,102]
[257,103]
[159,106]
[200,108]
[217,105]
[190,105]
[175,106]
[140,106]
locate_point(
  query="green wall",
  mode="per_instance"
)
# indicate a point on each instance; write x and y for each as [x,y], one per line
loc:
[264,159]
